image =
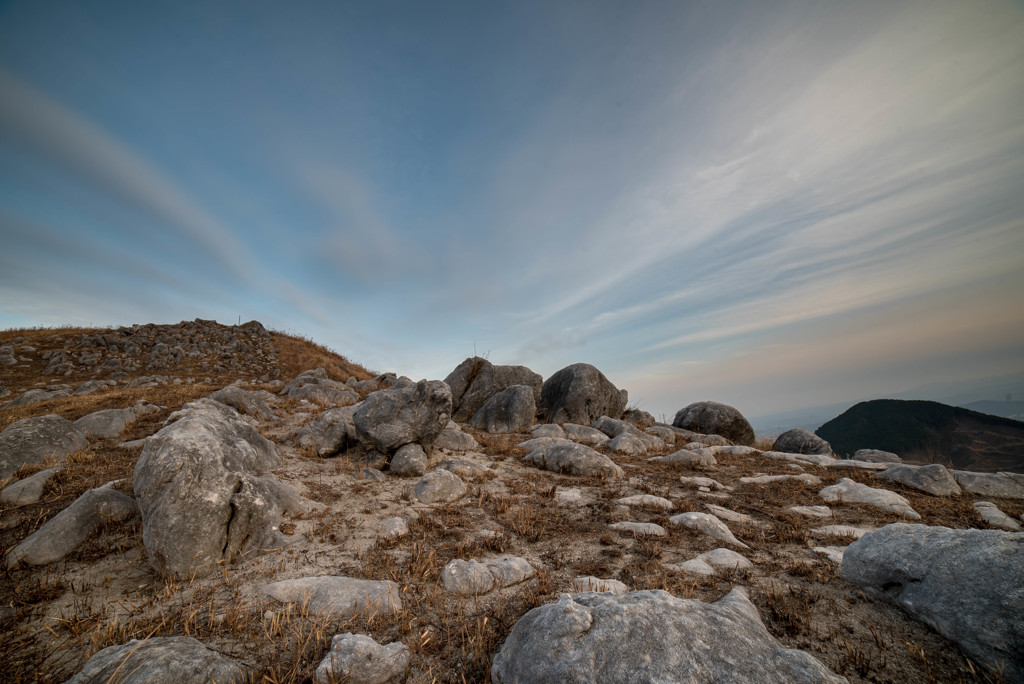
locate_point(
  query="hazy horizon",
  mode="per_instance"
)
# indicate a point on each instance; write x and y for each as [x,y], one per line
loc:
[772,205]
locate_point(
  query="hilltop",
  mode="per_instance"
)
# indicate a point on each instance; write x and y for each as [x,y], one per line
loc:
[929,432]
[260,494]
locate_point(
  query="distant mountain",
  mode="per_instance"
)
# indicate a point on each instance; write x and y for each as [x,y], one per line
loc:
[1005,409]
[927,431]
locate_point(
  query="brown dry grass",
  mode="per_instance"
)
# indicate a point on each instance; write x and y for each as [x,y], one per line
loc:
[297,354]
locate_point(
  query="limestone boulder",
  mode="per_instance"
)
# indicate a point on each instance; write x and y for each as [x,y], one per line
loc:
[510,410]
[339,597]
[800,441]
[31,440]
[27,491]
[876,456]
[932,479]
[105,424]
[202,487]
[1002,485]
[580,394]
[476,380]
[848,491]
[358,659]
[409,461]
[455,440]
[178,659]
[391,418]
[66,531]
[332,433]
[573,459]
[705,523]
[968,585]
[649,636]
[712,418]
[255,404]
[440,486]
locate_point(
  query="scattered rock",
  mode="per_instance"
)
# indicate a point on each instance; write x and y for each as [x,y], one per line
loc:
[27,491]
[705,523]
[508,570]
[358,659]
[394,527]
[876,456]
[440,486]
[202,492]
[627,444]
[639,529]
[34,396]
[639,417]
[245,402]
[800,441]
[455,440]
[333,433]
[468,470]
[63,533]
[409,461]
[105,424]
[968,585]
[591,583]
[711,562]
[548,430]
[649,636]
[728,514]
[585,435]
[339,597]
[569,495]
[389,419]
[510,410]
[160,659]
[1001,485]
[709,417]
[806,478]
[476,380]
[932,479]
[833,553]
[648,500]
[848,491]
[705,482]
[468,578]
[812,511]
[573,459]
[839,531]
[30,440]
[580,394]
[991,514]
[665,434]
[813,459]
[686,458]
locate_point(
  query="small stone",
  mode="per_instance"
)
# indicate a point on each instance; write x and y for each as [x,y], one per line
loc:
[409,461]
[358,659]
[645,500]
[440,486]
[467,577]
[848,491]
[991,514]
[591,583]
[705,523]
[394,527]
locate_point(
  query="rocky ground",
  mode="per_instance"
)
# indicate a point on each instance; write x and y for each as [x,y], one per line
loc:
[291,523]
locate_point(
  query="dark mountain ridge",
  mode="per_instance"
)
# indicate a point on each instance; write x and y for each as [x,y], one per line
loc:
[927,431]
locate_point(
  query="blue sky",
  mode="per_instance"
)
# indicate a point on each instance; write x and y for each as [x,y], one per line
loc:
[770,204]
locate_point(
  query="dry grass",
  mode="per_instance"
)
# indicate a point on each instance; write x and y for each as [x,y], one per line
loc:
[297,354]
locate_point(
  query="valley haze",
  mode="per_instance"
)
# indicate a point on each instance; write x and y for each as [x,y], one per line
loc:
[770,205]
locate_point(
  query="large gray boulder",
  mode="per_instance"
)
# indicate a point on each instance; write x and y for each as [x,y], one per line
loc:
[391,418]
[580,394]
[649,636]
[105,424]
[712,418]
[358,659]
[339,597]
[30,440]
[1003,485]
[178,659]
[563,456]
[249,403]
[202,492]
[968,585]
[63,533]
[850,491]
[510,410]
[932,479]
[476,380]
[332,433]
[800,441]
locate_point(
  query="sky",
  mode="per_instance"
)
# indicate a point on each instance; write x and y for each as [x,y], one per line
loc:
[772,204]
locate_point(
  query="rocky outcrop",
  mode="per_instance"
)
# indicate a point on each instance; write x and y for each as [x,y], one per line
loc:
[649,636]
[30,440]
[358,659]
[178,659]
[800,441]
[63,533]
[255,404]
[333,432]
[932,479]
[573,459]
[391,418]
[709,417]
[968,585]
[202,492]
[314,385]
[476,380]
[510,410]
[580,394]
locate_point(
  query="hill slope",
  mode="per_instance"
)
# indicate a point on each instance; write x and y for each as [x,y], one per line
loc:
[931,432]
